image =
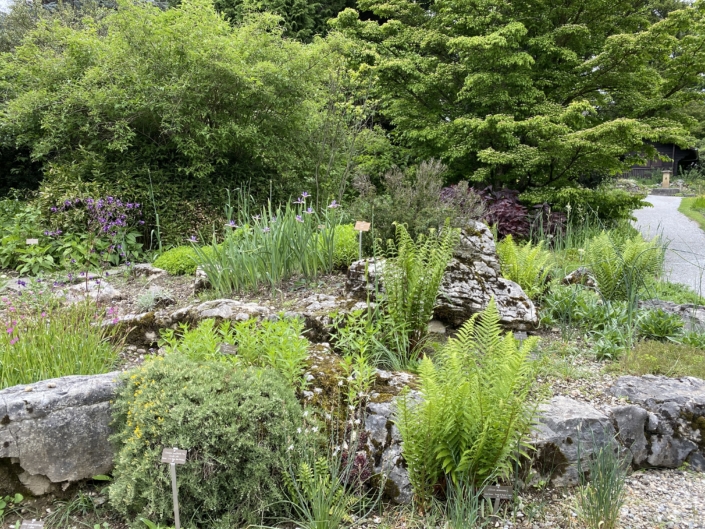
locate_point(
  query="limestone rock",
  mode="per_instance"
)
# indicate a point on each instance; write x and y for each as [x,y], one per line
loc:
[57,430]
[96,289]
[147,269]
[674,425]
[568,428]
[580,276]
[471,279]
[630,423]
[201,282]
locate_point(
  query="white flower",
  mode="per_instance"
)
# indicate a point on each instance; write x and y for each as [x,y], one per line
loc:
[290,448]
[298,430]
[340,382]
[350,378]
[318,390]
[314,429]
[306,413]
[357,421]
[351,407]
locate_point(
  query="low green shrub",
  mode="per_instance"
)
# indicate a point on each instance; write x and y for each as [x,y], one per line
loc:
[693,338]
[276,344]
[610,205]
[622,268]
[474,411]
[178,261]
[659,325]
[55,343]
[236,424]
[567,304]
[526,264]
[346,246]
[663,358]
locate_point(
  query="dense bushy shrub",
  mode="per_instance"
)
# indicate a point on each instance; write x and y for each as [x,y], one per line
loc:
[133,116]
[608,204]
[236,424]
[346,245]
[527,265]
[416,200]
[178,261]
[474,409]
[503,210]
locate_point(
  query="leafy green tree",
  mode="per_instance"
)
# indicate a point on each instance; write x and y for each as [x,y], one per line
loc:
[528,93]
[177,102]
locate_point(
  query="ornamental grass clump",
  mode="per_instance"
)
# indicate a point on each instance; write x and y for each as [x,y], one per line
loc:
[473,412]
[54,343]
[271,246]
[236,423]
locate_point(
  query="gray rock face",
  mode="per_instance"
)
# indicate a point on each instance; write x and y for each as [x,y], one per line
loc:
[471,279]
[568,430]
[57,430]
[672,423]
[95,289]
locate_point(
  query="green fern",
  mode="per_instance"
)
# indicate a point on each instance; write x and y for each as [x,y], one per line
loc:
[412,277]
[473,413]
[526,265]
[622,268]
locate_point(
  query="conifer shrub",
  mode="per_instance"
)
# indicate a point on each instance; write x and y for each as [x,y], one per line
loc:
[473,414]
[236,424]
[178,261]
[346,247]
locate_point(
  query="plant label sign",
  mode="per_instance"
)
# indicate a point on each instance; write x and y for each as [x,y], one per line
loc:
[227,349]
[174,456]
[31,242]
[362,226]
[32,524]
[496,493]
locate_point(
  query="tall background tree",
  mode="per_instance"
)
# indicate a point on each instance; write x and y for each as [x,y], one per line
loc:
[531,93]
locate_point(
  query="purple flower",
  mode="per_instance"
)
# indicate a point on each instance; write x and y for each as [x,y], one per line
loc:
[334,204]
[232,224]
[305,195]
[21,283]
[299,219]
[266,229]
[308,211]
[193,238]
[54,209]
[256,217]
[299,201]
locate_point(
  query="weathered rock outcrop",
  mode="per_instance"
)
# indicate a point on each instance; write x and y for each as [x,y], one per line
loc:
[56,431]
[671,429]
[568,430]
[471,279]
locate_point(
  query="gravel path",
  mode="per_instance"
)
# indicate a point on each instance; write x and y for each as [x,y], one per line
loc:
[685,258]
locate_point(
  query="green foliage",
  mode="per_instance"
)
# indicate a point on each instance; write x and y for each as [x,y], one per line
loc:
[675,292]
[56,343]
[473,412]
[527,265]
[179,261]
[608,204]
[527,93]
[567,304]
[689,209]
[659,325]
[112,103]
[346,245]
[602,486]
[414,198]
[621,268]
[413,277]
[664,358]
[276,344]
[9,503]
[236,424]
[271,246]
[692,338]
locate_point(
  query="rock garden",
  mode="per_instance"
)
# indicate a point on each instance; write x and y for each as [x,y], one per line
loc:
[351,264]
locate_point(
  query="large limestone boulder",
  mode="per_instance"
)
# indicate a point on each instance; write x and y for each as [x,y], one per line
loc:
[671,428]
[472,278]
[56,431]
[568,431]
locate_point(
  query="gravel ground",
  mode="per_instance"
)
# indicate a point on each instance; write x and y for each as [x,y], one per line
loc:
[685,258]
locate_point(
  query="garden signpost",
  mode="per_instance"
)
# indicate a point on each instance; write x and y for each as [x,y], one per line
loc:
[497,493]
[174,457]
[361,226]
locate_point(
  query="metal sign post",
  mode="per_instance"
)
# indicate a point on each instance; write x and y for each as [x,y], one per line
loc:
[497,493]
[361,226]
[32,524]
[174,457]
[521,336]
